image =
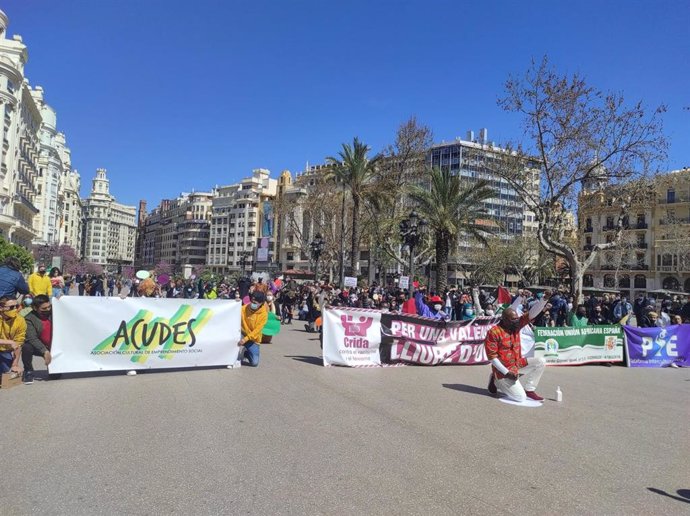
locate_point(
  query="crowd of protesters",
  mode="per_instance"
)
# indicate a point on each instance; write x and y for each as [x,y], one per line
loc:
[26,323]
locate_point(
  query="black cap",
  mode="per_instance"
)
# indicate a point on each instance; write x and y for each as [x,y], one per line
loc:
[259,297]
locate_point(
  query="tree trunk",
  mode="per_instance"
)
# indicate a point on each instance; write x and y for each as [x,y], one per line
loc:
[354,250]
[576,274]
[441,263]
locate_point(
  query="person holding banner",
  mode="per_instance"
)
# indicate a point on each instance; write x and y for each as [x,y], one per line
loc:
[12,333]
[254,318]
[39,336]
[504,351]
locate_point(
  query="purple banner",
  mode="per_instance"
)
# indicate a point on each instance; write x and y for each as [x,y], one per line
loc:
[658,347]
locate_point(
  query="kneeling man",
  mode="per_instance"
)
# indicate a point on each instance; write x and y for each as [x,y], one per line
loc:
[503,350]
[254,318]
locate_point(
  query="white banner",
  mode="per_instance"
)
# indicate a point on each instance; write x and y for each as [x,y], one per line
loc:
[350,281]
[404,282]
[112,334]
[351,337]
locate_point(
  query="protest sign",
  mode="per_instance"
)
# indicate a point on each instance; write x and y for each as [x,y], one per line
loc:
[350,281]
[572,346]
[404,282]
[419,340]
[658,347]
[110,334]
[351,337]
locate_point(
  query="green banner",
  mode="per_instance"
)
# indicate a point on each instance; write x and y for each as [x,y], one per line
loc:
[572,346]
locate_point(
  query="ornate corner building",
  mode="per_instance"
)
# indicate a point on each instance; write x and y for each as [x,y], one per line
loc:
[655,247]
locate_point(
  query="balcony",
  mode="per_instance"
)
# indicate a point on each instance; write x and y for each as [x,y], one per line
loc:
[589,229]
[680,220]
[608,228]
[640,267]
[642,245]
[677,199]
[23,202]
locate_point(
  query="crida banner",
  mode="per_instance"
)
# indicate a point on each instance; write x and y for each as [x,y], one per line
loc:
[658,347]
[111,334]
[572,346]
[351,337]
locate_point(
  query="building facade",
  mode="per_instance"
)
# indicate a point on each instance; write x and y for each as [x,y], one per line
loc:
[71,210]
[242,225]
[655,248]
[19,137]
[177,232]
[474,159]
[54,162]
[109,230]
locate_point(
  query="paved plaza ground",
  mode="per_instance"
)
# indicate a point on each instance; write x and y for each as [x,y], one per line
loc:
[293,437]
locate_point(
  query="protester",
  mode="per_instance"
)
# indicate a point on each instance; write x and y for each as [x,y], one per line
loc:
[433,310]
[597,317]
[287,299]
[504,351]
[622,310]
[57,282]
[559,309]
[80,280]
[68,285]
[647,317]
[147,288]
[11,280]
[39,336]
[254,318]
[12,329]
[579,318]
[39,283]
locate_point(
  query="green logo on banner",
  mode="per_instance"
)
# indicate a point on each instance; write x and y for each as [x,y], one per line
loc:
[145,335]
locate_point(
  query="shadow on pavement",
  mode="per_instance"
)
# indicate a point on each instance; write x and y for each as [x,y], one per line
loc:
[307,360]
[482,391]
[95,374]
[683,494]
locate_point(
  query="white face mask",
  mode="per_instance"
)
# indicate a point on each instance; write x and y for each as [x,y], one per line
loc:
[269,298]
[437,307]
[489,312]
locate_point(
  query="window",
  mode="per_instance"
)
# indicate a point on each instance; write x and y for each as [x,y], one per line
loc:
[624,282]
[587,280]
[670,196]
[609,281]
[640,281]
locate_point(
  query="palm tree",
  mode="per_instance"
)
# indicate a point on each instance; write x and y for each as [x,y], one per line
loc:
[355,171]
[451,207]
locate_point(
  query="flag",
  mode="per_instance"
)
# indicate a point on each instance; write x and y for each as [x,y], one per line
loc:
[503,296]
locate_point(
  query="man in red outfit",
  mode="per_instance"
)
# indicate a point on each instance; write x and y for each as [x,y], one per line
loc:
[504,351]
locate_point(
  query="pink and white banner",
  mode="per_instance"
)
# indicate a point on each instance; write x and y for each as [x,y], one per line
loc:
[351,337]
[370,338]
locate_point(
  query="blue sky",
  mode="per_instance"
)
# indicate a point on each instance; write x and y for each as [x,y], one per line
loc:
[171,95]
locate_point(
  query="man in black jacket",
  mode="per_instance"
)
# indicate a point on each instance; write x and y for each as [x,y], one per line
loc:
[39,336]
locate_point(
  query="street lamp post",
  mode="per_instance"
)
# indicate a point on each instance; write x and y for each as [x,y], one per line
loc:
[317,246]
[409,233]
